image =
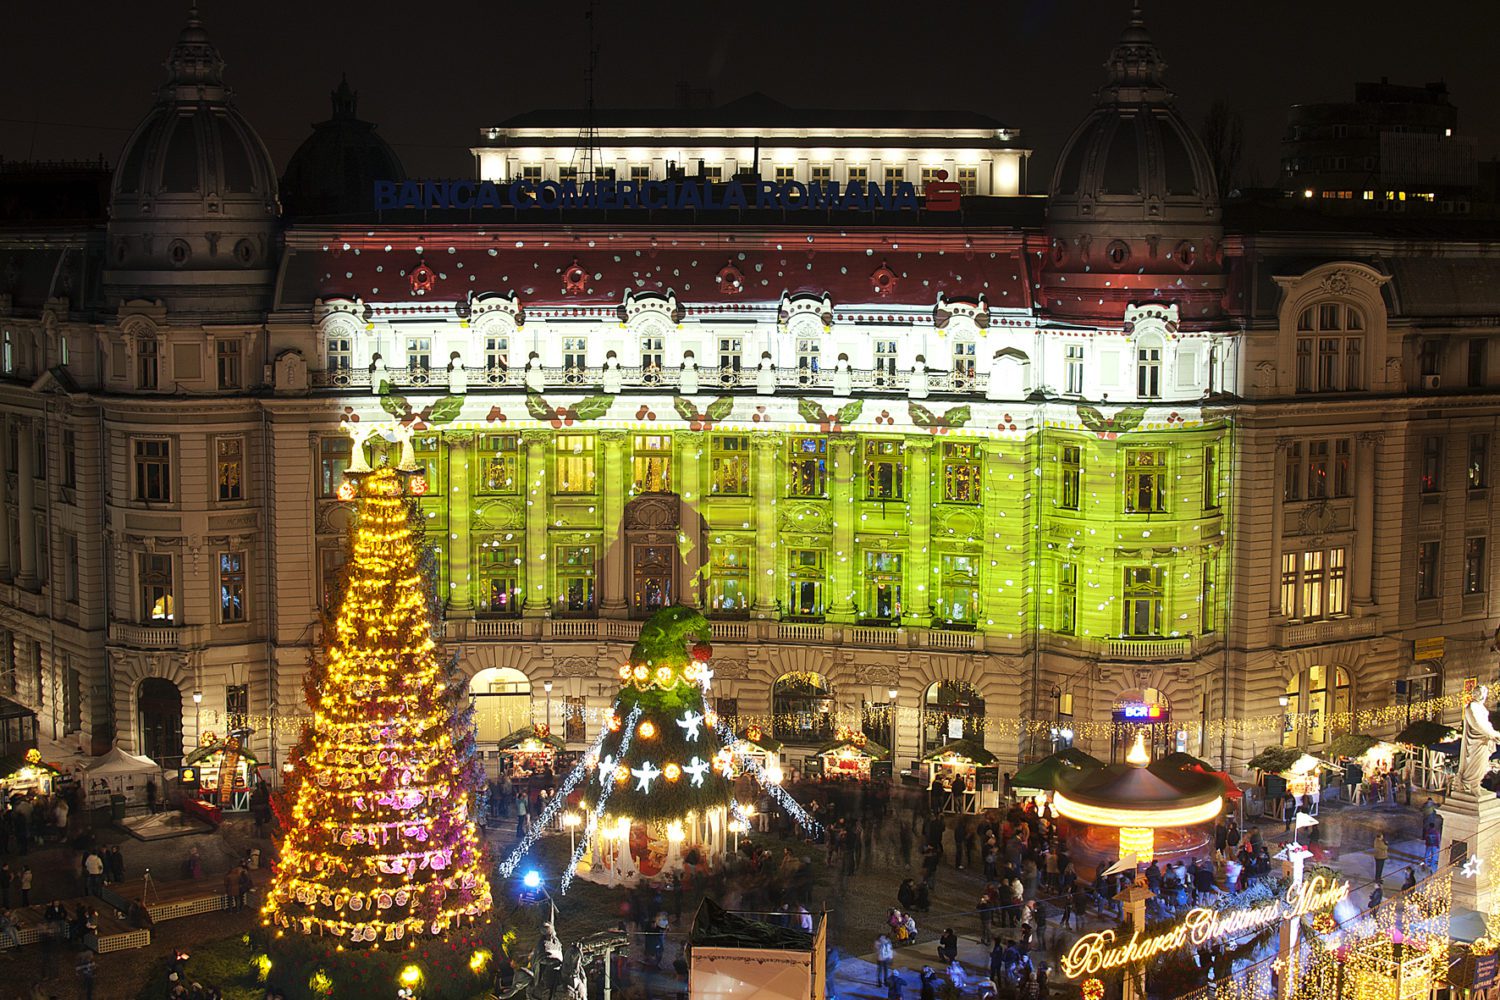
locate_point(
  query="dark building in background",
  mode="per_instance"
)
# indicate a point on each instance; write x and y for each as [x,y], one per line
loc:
[334,170]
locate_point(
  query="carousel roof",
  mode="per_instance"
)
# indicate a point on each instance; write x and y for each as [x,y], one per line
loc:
[869,748]
[525,733]
[1126,786]
[1046,773]
[960,748]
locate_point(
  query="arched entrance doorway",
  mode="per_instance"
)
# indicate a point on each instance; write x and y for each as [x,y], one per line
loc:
[1143,710]
[951,710]
[501,697]
[802,708]
[1313,694]
[159,716]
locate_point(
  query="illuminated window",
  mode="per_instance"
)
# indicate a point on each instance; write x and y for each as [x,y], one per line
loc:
[146,363]
[1145,480]
[532,175]
[496,353]
[499,572]
[885,362]
[331,559]
[958,594]
[1073,369]
[1208,598]
[237,704]
[729,579]
[340,350]
[1432,464]
[968,180]
[1310,702]
[231,587]
[785,174]
[1332,335]
[227,355]
[965,357]
[1067,597]
[809,352]
[334,452]
[885,470]
[895,175]
[807,467]
[948,700]
[1211,477]
[651,463]
[1343,458]
[859,175]
[499,460]
[640,175]
[929,176]
[1427,571]
[805,577]
[575,579]
[882,586]
[1145,593]
[651,578]
[425,452]
[1475,568]
[729,473]
[1314,584]
[1479,461]
[153,470]
[821,175]
[961,477]
[1317,470]
[575,728]
[231,468]
[802,708]
[575,463]
[157,603]
[1148,370]
[1071,461]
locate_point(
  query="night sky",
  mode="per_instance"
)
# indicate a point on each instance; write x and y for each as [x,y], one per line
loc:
[79,75]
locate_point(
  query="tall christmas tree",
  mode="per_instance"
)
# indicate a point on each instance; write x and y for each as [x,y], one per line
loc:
[381,847]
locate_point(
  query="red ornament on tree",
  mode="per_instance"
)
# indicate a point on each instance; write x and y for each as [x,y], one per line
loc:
[702,651]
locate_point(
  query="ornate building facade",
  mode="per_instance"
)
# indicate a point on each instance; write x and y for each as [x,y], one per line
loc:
[984,465]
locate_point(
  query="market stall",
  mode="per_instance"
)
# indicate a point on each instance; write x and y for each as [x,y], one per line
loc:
[530,751]
[954,773]
[222,772]
[852,756]
[761,747]
[118,773]
[1040,778]
[26,774]
[1434,750]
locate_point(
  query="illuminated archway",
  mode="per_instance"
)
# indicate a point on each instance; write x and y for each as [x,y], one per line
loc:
[1146,711]
[802,708]
[502,703]
[945,702]
[1312,695]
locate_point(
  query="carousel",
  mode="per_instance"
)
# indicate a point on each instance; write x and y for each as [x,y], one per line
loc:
[852,756]
[1038,780]
[953,773]
[1130,810]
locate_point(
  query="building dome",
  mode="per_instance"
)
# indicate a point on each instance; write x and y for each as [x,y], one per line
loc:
[1133,205]
[195,188]
[335,169]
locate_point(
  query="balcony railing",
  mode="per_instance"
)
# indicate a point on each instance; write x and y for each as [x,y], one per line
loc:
[1331,630]
[624,630]
[145,636]
[1148,649]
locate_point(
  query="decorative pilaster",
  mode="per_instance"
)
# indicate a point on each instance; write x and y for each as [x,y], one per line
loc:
[460,499]
[6,567]
[26,508]
[843,475]
[917,609]
[537,493]
[613,485]
[1278,489]
[763,584]
[1364,516]
[690,490]
[995,556]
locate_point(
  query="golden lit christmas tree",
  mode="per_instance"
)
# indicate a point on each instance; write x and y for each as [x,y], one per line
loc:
[381,849]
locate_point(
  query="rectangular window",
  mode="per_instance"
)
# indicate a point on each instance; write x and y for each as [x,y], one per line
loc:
[1313,569]
[157,604]
[729,579]
[820,175]
[882,586]
[1211,477]
[651,355]
[69,458]
[231,468]
[153,470]
[807,467]
[961,473]
[713,175]
[729,471]
[575,579]
[1343,458]
[1354,371]
[575,354]
[1072,475]
[334,452]
[1427,571]
[227,355]
[1432,463]
[231,587]
[1148,372]
[958,593]
[1338,583]
[965,362]
[70,567]
[7,353]
[499,458]
[1476,578]
[929,176]
[1145,592]
[1145,480]
[785,174]
[331,575]
[1208,598]
[340,352]
[1477,364]
[1304,364]
[1073,369]
[809,357]
[147,368]
[575,463]
[885,362]
[859,175]
[1067,598]
[1429,357]
[805,583]
[731,354]
[640,175]
[496,354]
[885,470]
[567,175]
[575,726]
[895,175]
[1317,470]
[651,463]
[1291,486]
[968,180]
[1479,461]
[499,568]
[418,353]
[237,704]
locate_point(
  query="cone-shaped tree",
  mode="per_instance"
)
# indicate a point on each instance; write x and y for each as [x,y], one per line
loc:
[381,844]
[672,765]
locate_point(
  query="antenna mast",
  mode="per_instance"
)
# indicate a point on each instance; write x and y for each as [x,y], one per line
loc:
[588,153]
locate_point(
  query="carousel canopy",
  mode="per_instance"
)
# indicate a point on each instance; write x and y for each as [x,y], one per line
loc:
[1047,772]
[966,749]
[514,741]
[869,748]
[1131,795]
[207,750]
[117,761]
[1426,733]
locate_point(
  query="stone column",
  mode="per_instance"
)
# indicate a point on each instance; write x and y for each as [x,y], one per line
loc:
[843,478]
[1364,516]
[1278,486]
[917,596]
[26,509]
[689,484]
[6,566]
[763,576]
[536,603]
[460,499]
[613,486]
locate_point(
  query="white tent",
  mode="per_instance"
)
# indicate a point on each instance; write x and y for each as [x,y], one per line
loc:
[118,773]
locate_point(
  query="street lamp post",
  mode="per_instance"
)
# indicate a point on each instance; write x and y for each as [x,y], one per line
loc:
[547,687]
[198,716]
[571,820]
[890,717]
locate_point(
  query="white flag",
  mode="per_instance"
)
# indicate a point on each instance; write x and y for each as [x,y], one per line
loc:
[1305,820]
[1127,863]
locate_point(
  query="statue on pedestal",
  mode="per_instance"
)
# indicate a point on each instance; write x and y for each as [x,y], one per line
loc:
[1479,741]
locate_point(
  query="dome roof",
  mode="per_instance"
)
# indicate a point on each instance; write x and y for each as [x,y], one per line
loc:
[195,186]
[334,171]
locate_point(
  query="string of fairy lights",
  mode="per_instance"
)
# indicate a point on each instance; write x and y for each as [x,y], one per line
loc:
[606,775]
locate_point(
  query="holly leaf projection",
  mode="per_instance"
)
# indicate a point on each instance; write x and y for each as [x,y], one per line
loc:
[716,411]
[849,412]
[719,409]
[591,407]
[921,415]
[446,410]
[1126,419]
[537,407]
[396,406]
[685,408]
[812,411]
[953,417]
[957,417]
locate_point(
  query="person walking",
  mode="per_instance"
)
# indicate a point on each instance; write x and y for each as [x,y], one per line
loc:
[894,987]
[1432,839]
[86,970]
[26,885]
[1380,852]
[522,820]
[885,954]
[242,888]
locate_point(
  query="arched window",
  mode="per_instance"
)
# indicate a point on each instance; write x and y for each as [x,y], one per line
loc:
[951,710]
[1330,348]
[1312,695]
[1148,367]
[802,708]
[501,697]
